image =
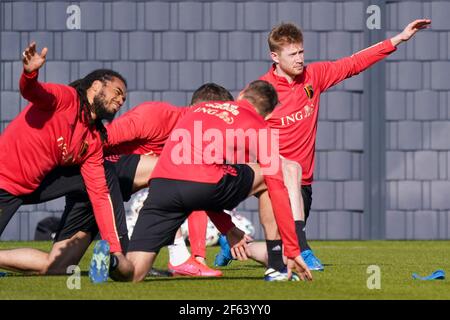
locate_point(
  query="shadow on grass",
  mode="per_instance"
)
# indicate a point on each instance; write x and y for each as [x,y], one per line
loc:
[24,275]
[152,279]
[239,268]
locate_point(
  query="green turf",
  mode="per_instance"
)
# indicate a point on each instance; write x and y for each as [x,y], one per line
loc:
[345,277]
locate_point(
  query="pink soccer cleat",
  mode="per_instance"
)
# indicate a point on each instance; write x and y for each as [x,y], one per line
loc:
[193,268]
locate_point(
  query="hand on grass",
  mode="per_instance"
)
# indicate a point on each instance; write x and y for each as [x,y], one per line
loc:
[300,266]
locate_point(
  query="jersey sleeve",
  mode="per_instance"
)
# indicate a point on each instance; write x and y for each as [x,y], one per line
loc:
[93,174]
[330,73]
[46,96]
[221,220]
[125,128]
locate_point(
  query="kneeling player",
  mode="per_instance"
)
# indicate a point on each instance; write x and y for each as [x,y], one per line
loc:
[184,181]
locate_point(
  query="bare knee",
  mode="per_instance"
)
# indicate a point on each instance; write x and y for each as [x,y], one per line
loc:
[142,263]
[45,267]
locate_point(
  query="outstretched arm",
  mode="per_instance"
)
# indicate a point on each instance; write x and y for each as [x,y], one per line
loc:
[330,73]
[93,174]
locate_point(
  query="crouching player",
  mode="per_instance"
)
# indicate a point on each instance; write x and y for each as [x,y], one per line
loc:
[184,180]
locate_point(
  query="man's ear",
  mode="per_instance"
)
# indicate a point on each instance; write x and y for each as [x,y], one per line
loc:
[96,86]
[275,57]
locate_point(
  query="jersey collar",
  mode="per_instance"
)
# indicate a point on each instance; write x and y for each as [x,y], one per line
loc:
[283,80]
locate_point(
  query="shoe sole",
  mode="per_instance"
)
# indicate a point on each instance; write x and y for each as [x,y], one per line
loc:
[222,265]
[99,257]
[274,280]
[159,273]
[175,273]
[186,274]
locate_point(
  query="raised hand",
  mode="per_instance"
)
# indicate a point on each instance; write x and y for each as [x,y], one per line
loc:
[31,59]
[411,30]
[298,265]
[413,27]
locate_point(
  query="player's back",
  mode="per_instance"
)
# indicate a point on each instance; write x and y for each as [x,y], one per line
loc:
[210,135]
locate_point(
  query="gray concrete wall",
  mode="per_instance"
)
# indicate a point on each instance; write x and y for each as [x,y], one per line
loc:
[417,110]
[167,49]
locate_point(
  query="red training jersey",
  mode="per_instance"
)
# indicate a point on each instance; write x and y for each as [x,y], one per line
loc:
[214,134]
[297,114]
[47,134]
[143,130]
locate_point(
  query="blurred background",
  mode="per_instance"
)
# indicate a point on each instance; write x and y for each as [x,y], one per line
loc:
[383,146]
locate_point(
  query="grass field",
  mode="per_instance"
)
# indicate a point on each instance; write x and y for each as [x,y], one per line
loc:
[345,277]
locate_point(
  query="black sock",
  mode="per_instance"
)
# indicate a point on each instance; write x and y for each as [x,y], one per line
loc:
[113,262]
[275,254]
[301,235]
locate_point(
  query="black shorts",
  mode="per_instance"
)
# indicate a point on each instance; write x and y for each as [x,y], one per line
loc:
[9,204]
[307,199]
[126,171]
[78,214]
[171,201]
[57,183]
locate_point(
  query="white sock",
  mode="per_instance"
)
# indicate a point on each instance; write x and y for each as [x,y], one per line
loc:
[178,252]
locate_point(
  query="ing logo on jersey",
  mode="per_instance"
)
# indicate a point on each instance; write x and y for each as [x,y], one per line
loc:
[304,113]
[308,110]
[215,110]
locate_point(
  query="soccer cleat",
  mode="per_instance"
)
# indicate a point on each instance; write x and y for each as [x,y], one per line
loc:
[274,275]
[311,260]
[224,257]
[294,276]
[193,268]
[99,266]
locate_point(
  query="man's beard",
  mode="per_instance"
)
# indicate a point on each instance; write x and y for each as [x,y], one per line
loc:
[99,108]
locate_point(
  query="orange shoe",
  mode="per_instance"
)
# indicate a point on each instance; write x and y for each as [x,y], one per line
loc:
[193,268]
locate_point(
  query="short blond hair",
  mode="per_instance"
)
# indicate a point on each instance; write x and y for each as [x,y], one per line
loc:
[262,95]
[284,33]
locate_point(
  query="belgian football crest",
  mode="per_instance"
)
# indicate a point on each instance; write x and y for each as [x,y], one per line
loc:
[83,149]
[309,91]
